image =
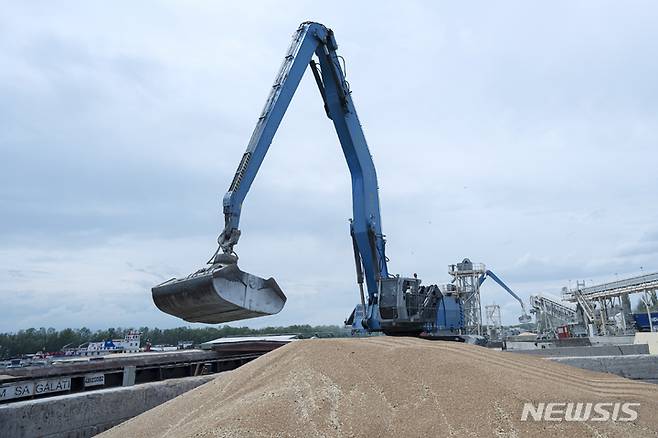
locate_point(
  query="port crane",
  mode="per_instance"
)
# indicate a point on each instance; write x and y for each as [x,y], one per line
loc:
[221,292]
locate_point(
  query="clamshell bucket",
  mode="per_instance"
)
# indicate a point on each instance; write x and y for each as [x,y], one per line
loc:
[525,318]
[221,293]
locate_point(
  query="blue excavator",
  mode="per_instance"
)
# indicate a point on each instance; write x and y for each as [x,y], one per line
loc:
[221,292]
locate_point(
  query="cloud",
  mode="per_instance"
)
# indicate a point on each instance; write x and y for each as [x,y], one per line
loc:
[647,245]
[518,136]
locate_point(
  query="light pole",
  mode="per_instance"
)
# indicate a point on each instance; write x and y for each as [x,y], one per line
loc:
[646,304]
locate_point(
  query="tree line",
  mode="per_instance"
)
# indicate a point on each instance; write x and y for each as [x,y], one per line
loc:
[44,339]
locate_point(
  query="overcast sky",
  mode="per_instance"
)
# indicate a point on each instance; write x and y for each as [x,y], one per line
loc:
[523,136]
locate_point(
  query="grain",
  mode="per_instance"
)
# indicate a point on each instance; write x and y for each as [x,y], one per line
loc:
[385,386]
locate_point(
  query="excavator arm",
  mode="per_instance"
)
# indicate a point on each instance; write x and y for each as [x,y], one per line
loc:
[314,38]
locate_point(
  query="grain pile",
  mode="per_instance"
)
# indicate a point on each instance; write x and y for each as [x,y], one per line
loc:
[391,387]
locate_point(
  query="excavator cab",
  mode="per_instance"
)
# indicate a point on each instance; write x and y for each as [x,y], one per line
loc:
[405,306]
[219,293]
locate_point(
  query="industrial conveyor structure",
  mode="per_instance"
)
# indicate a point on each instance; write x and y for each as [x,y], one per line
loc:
[549,314]
[642,283]
[606,307]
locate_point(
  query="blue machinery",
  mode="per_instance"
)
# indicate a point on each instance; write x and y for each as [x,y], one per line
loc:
[524,318]
[221,292]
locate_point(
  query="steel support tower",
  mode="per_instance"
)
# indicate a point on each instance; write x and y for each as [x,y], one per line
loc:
[494,321]
[465,277]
